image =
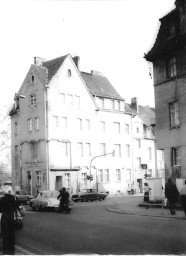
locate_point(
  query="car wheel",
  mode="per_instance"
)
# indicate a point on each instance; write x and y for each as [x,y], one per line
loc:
[33,208]
[84,199]
[27,202]
[99,198]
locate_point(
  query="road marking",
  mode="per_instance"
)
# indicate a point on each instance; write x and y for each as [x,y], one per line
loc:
[23,251]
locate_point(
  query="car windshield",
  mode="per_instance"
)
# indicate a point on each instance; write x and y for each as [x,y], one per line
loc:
[50,194]
[88,190]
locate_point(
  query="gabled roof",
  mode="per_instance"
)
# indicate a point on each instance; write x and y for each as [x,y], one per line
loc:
[146,113]
[53,66]
[100,86]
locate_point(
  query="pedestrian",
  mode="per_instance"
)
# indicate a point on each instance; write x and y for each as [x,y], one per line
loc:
[183,197]
[8,207]
[172,194]
[147,190]
[63,197]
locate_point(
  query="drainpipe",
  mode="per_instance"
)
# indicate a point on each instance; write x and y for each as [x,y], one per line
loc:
[46,134]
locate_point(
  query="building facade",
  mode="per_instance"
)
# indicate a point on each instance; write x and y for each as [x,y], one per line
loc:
[67,125]
[168,56]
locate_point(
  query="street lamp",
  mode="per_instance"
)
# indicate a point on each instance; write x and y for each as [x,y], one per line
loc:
[111,153]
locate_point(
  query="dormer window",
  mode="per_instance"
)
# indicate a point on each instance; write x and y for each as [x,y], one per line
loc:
[32,79]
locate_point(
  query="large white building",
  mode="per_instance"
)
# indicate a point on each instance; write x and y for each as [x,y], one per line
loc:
[67,124]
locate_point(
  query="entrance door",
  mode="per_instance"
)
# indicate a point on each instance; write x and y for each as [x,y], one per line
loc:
[59,183]
[139,181]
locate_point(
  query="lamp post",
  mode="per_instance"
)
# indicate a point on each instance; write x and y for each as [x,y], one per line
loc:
[111,153]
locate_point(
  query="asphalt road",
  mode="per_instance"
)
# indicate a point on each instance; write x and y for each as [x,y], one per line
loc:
[91,229]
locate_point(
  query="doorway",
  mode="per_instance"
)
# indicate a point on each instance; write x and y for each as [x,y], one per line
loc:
[139,184]
[59,183]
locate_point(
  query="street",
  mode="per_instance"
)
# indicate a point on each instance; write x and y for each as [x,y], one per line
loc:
[91,229]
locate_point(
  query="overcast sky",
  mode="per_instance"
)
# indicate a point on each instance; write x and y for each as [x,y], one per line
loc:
[109,36]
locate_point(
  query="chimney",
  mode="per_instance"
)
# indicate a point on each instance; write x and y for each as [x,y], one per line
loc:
[181,7]
[134,104]
[39,61]
[76,60]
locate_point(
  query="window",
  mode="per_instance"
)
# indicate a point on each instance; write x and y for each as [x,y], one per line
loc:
[69,99]
[64,123]
[176,156]
[32,80]
[34,149]
[118,175]
[64,150]
[77,101]
[172,67]
[172,29]
[102,148]
[117,149]
[117,105]
[16,156]
[127,150]
[62,98]
[137,130]
[138,159]
[36,123]
[106,176]
[28,177]
[128,174]
[150,153]
[100,175]
[87,124]
[116,127]
[102,126]
[38,177]
[87,149]
[84,179]
[67,180]
[15,128]
[56,122]
[126,128]
[103,176]
[79,123]
[174,114]
[69,73]
[33,100]
[30,124]
[102,105]
[80,149]
[138,143]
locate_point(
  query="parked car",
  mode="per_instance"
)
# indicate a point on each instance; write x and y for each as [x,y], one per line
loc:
[45,199]
[23,197]
[88,194]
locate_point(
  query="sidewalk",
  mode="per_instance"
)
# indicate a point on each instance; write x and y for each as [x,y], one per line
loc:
[129,205]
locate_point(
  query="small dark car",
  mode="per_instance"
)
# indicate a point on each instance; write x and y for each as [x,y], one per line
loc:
[23,197]
[88,194]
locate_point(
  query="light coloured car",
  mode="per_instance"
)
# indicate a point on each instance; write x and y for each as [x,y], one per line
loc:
[45,199]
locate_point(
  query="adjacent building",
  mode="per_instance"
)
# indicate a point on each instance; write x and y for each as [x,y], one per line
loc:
[168,56]
[67,125]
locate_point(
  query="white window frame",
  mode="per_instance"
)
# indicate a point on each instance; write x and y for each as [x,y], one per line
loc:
[32,100]
[56,122]
[102,148]
[102,126]
[87,149]
[64,150]
[80,149]
[118,175]
[127,129]
[38,177]
[67,180]
[117,128]
[87,124]
[64,123]
[127,147]
[117,150]
[36,123]
[174,113]
[80,124]
[34,149]
[30,124]
[172,67]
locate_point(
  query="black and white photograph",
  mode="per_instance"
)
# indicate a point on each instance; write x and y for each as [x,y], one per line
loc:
[93,127]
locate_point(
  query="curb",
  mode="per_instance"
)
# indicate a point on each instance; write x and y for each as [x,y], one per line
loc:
[143,214]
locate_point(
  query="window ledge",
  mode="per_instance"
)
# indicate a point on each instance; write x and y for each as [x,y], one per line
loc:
[174,127]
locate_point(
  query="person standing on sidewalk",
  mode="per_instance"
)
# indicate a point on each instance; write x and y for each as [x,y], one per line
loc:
[172,194]
[147,190]
[8,206]
[183,197]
